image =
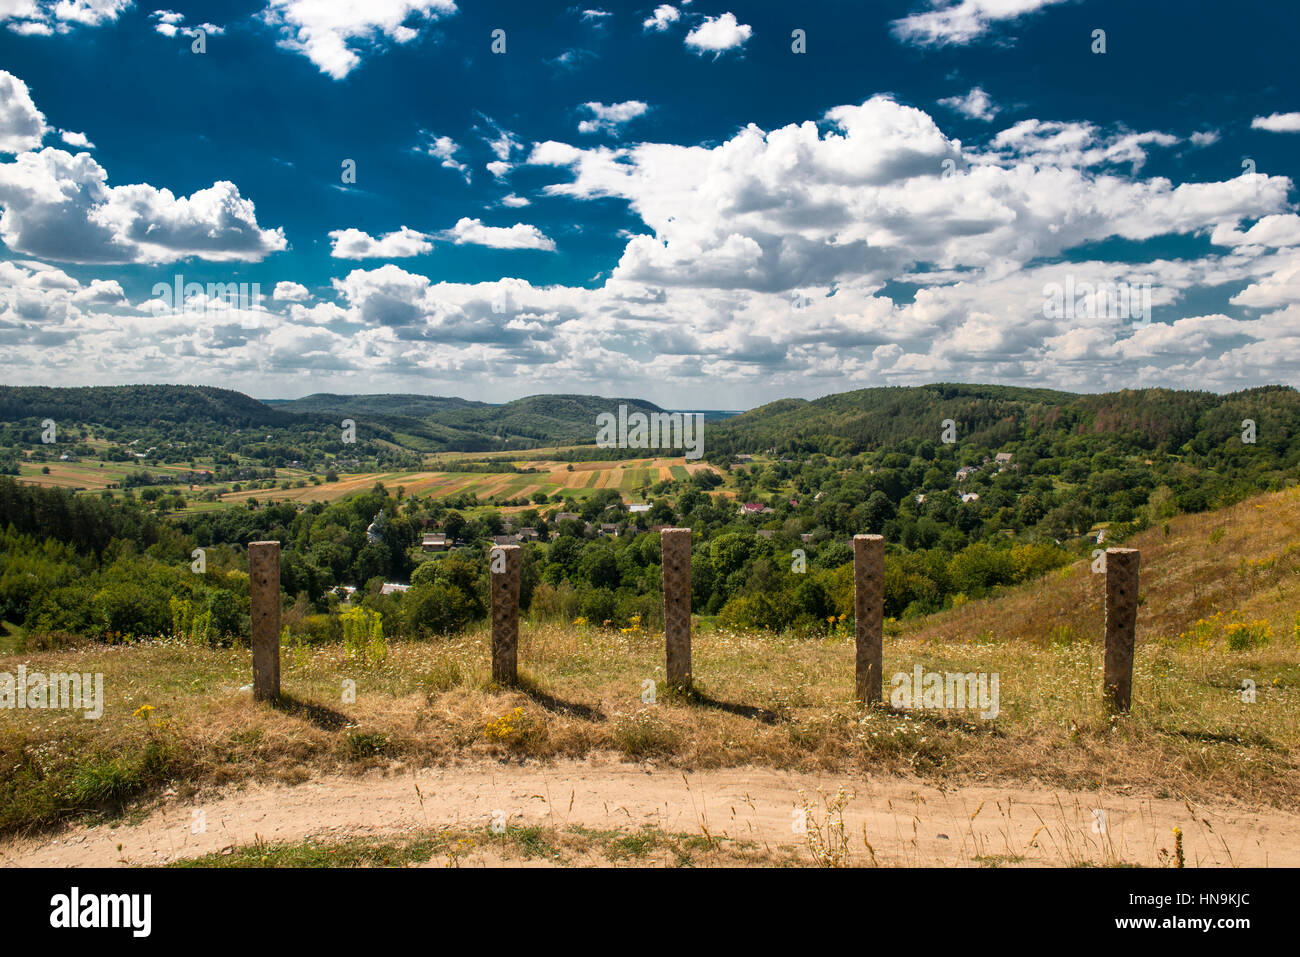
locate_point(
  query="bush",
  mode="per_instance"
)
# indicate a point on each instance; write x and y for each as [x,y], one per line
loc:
[436,609]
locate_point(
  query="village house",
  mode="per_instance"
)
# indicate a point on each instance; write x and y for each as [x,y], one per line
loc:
[434,541]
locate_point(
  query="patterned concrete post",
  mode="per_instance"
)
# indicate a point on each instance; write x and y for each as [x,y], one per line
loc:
[675,552]
[264,595]
[869,613]
[504,571]
[1121,625]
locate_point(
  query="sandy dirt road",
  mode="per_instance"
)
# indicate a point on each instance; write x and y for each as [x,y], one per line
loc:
[905,821]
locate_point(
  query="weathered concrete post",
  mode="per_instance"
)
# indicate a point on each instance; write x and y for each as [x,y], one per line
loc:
[1121,625]
[675,553]
[869,615]
[264,596]
[504,571]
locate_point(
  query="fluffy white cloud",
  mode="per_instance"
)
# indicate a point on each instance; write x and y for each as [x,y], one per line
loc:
[611,118]
[961,21]
[663,17]
[22,125]
[513,201]
[1277,123]
[326,31]
[717,34]
[78,140]
[355,244]
[46,17]
[59,206]
[976,104]
[518,236]
[290,292]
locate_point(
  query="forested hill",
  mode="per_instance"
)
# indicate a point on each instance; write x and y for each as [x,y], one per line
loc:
[453,423]
[123,405]
[998,416]
[415,422]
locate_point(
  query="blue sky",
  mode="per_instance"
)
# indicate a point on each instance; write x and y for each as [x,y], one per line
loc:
[660,200]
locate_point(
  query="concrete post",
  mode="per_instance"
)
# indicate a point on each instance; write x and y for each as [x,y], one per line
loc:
[675,552]
[503,570]
[1121,626]
[264,595]
[869,615]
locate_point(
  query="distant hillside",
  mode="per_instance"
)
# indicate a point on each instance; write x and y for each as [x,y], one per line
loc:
[435,423]
[122,405]
[994,416]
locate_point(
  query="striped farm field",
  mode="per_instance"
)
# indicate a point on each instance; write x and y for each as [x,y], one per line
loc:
[578,479]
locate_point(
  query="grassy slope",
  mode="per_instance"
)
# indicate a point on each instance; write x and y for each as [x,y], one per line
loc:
[766,700]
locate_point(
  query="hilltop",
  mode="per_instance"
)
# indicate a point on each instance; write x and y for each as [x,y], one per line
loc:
[997,416]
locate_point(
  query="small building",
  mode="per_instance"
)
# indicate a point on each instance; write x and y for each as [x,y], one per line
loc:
[743,458]
[970,496]
[566,517]
[964,473]
[609,528]
[751,508]
[528,535]
[390,588]
[434,542]
[1002,458]
[505,540]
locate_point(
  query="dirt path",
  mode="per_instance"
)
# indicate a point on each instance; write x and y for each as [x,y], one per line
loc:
[907,822]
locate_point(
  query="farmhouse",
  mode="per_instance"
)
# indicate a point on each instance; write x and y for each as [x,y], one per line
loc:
[434,541]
